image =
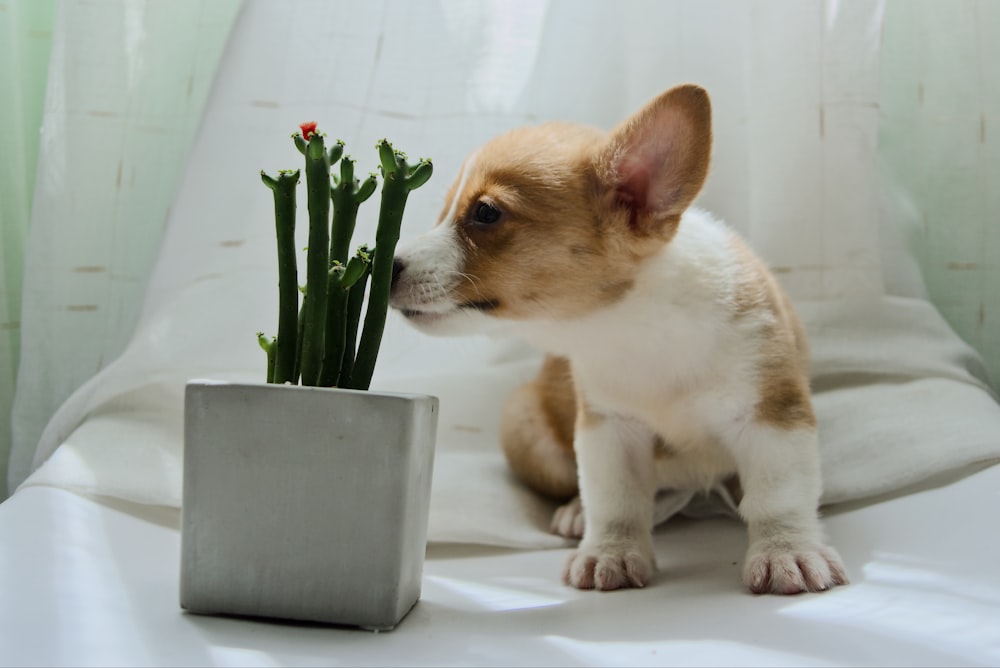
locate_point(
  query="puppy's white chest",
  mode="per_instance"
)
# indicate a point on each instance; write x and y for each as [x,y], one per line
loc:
[681,410]
[684,370]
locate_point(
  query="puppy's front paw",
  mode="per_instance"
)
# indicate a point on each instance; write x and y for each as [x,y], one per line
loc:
[781,568]
[610,566]
[567,521]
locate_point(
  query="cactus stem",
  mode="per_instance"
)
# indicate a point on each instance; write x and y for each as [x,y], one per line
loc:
[355,301]
[345,211]
[283,189]
[297,372]
[317,259]
[399,180]
[268,346]
[336,313]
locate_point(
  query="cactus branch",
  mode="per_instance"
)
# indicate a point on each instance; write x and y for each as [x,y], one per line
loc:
[283,189]
[317,259]
[345,211]
[336,151]
[297,373]
[356,268]
[399,179]
[355,301]
[268,346]
[347,196]
[420,174]
[339,323]
[336,313]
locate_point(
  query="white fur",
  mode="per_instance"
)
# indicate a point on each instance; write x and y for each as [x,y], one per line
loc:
[433,262]
[463,178]
[617,486]
[434,268]
[688,374]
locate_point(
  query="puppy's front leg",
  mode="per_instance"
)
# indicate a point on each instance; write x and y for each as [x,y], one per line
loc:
[615,461]
[779,472]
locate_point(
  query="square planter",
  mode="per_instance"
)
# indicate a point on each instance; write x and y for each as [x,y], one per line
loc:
[305,503]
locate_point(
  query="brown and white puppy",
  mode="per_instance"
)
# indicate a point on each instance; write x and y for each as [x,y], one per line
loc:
[676,362]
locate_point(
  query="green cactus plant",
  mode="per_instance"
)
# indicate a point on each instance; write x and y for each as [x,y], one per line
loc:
[399,179]
[347,195]
[317,344]
[284,363]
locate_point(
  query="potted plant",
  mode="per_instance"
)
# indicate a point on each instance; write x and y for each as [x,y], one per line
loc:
[306,497]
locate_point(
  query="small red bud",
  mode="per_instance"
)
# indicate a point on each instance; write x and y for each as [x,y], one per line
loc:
[308,129]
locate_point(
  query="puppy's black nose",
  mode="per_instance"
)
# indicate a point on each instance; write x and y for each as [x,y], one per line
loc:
[397,268]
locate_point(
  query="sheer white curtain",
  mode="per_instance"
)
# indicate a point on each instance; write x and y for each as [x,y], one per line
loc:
[795,87]
[127,83]
[25,41]
[939,140]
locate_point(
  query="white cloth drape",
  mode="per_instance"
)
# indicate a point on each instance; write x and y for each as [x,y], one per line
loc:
[127,83]
[795,87]
[939,140]
[25,41]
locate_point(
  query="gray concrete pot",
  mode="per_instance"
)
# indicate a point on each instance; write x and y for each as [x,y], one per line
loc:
[305,503]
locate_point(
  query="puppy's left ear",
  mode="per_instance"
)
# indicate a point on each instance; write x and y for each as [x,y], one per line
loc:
[655,163]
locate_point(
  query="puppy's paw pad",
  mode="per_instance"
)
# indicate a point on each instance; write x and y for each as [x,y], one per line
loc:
[789,570]
[567,521]
[609,567]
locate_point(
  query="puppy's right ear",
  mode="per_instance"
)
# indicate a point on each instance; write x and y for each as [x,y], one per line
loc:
[655,163]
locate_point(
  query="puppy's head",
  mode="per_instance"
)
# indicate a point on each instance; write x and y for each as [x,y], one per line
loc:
[553,221]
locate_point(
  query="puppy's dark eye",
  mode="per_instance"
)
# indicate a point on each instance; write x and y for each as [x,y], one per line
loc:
[485,214]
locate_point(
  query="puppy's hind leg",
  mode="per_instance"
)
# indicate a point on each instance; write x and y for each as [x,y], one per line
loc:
[536,432]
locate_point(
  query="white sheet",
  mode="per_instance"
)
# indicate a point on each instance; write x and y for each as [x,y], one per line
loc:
[95,583]
[900,400]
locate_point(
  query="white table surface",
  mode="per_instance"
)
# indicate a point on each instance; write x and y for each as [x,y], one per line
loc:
[94,582]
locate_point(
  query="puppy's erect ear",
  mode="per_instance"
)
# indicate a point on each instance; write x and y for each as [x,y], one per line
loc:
[654,164]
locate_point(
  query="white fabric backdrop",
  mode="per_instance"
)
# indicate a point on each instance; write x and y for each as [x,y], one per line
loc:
[940,115]
[127,83]
[795,90]
[25,42]
[794,85]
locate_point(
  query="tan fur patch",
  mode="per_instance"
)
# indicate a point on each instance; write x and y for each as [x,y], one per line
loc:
[662,450]
[536,431]
[586,416]
[555,387]
[550,254]
[783,370]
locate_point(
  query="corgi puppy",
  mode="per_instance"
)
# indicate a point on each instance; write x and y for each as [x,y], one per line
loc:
[675,361]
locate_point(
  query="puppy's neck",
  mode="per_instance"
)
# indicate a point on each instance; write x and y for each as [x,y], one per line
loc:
[680,300]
